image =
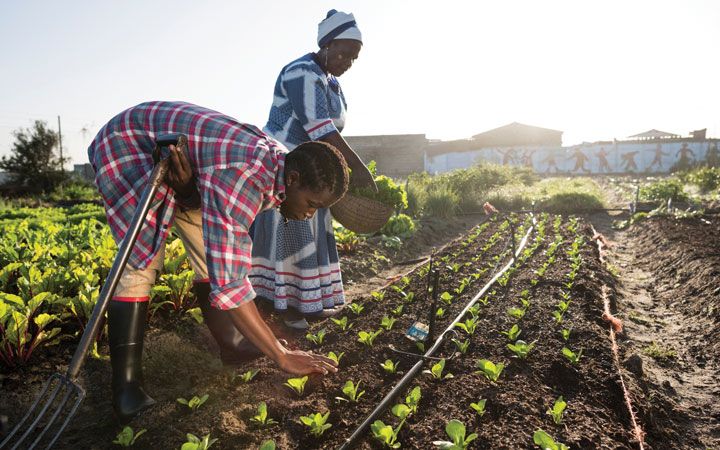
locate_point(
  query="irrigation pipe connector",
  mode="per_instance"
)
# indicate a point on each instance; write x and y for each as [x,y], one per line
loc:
[408,377]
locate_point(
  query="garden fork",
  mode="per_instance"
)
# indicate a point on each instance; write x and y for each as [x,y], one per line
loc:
[61,395]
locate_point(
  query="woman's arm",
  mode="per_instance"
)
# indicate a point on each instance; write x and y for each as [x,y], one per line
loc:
[249,322]
[361,176]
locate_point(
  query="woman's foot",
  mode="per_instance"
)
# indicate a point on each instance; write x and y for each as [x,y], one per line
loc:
[295,319]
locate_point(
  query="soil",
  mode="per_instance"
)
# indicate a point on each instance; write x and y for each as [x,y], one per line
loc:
[670,303]
[669,295]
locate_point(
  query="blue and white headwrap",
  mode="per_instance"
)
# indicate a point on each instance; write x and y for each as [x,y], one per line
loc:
[337,25]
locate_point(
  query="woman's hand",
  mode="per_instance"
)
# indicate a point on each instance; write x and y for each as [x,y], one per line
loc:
[181,179]
[298,362]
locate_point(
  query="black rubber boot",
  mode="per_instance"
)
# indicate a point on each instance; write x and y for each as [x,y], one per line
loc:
[126,329]
[235,350]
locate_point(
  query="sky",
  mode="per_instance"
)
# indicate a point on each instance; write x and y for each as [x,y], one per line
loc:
[596,70]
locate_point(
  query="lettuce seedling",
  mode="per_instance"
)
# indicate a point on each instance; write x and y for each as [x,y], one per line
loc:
[455,267]
[479,407]
[245,377]
[557,410]
[262,418]
[474,310]
[389,366]
[356,308]
[521,348]
[462,346]
[420,346]
[343,323]
[563,306]
[127,437]
[440,313]
[401,411]
[546,442]
[351,392]
[397,311]
[297,384]
[194,403]
[317,423]
[525,303]
[491,370]
[446,297]
[413,399]
[565,332]
[456,431]
[469,326]
[517,313]
[558,316]
[195,443]
[368,338]
[317,338]
[437,371]
[388,322]
[267,445]
[408,297]
[573,357]
[385,434]
[513,333]
[378,295]
[336,357]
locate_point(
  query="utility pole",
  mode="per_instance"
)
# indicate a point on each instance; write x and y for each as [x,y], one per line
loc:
[62,161]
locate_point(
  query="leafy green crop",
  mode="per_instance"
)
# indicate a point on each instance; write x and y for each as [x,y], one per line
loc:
[389,366]
[456,431]
[317,423]
[316,338]
[351,391]
[557,410]
[385,434]
[368,338]
[262,418]
[491,370]
[513,333]
[195,443]
[388,322]
[246,376]
[127,437]
[400,225]
[437,371]
[546,442]
[388,193]
[297,384]
[521,348]
[479,407]
[356,308]
[194,403]
[462,346]
[336,357]
[342,323]
[571,356]
[469,326]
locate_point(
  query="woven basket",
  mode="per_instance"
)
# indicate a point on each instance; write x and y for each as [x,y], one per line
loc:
[361,215]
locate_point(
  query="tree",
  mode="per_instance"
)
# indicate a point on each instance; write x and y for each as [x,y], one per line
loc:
[33,165]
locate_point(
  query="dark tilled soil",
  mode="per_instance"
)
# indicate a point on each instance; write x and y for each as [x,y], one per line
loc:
[670,301]
[178,364]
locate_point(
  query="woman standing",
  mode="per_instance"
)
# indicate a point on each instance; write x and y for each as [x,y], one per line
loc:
[296,265]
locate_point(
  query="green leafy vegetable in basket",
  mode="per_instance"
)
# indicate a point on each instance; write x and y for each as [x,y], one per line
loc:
[389,193]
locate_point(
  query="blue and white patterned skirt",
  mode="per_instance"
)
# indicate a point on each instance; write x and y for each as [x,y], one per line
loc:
[296,264]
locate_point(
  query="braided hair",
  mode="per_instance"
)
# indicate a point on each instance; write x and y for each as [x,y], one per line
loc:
[321,166]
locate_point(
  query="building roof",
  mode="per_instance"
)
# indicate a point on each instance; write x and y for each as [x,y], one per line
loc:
[518,134]
[654,134]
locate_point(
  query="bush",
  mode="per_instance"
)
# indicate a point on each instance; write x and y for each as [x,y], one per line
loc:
[662,190]
[400,225]
[706,178]
[441,202]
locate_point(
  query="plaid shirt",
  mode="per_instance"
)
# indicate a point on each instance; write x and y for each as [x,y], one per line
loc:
[239,173]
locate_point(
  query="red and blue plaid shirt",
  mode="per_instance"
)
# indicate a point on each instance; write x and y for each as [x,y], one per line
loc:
[239,172]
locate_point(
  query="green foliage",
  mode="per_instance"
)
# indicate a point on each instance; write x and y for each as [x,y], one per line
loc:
[662,190]
[318,337]
[456,431]
[571,356]
[546,442]
[479,407]
[707,179]
[262,418]
[437,371]
[194,403]
[343,323]
[356,308]
[389,193]
[267,445]
[351,391]
[462,346]
[389,366]
[195,443]
[491,370]
[513,333]
[127,437]
[368,338]
[521,348]
[400,225]
[297,384]
[317,423]
[23,328]
[246,376]
[385,434]
[32,164]
[388,322]
[336,357]
[557,410]
[441,202]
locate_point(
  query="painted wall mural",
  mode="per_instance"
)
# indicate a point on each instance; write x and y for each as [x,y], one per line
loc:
[611,158]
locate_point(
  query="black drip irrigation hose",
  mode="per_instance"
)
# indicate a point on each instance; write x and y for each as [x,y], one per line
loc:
[410,375]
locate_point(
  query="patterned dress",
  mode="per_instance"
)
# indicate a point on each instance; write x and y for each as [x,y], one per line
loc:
[239,171]
[296,264]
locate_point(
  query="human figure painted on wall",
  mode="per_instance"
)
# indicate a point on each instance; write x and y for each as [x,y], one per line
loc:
[629,161]
[508,156]
[550,161]
[527,158]
[712,158]
[602,160]
[658,158]
[580,159]
[685,154]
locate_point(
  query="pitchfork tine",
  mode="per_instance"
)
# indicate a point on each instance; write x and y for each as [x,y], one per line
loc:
[29,413]
[58,409]
[39,416]
[81,396]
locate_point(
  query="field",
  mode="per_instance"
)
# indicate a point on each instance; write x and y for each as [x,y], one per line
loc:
[533,356]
